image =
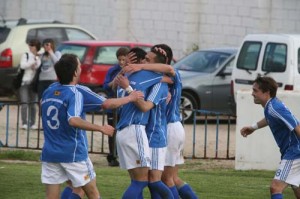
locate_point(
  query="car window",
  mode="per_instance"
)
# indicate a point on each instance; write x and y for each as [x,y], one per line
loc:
[107,55]
[249,55]
[76,34]
[229,67]
[57,34]
[4,31]
[202,61]
[78,50]
[275,57]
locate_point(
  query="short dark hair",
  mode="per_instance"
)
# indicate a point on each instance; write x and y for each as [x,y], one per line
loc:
[66,67]
[168,51]
[266,84]
[139,53]
[36,43]
[123,51]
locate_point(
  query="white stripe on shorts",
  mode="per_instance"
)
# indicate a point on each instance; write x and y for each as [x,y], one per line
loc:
[289,172]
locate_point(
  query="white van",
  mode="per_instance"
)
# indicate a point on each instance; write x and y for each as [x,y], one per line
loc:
[274,55]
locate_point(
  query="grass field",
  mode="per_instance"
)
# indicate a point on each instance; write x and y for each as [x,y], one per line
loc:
[210,179]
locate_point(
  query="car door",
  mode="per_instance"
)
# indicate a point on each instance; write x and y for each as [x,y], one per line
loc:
[221,91]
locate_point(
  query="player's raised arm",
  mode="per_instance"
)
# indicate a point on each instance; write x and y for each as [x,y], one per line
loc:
[156,67]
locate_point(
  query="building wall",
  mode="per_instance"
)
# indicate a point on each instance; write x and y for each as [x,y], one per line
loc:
[183,24]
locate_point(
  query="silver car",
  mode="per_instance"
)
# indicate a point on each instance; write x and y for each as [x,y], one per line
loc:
[206,81]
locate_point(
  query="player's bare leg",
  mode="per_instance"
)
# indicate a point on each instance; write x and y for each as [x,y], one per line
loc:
[52,191]
[277,187]
[91,190]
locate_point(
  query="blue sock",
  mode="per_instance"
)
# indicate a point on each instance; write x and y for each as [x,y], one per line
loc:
[174,192]
[277,196]
[135,189]
[74,196]
[140,195]
[159,189]
[66,193]
[154,194]
[186,192]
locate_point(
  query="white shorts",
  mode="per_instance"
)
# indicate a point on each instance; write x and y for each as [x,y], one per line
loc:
[176,139]
[289,172]
[80,173]
[133,147]
[158,156]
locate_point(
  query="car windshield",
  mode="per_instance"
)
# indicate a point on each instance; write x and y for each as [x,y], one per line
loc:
[202,61]
[73,49]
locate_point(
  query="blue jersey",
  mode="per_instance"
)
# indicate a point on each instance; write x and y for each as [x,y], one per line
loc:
[173,107]
[282,124]
[63,143]
[91,100]
[129,113]
[144,79]
[156,128]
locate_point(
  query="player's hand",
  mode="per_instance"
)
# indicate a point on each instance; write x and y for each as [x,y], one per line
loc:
[108,130]
[132,68]
[122,81]
[136,95]
[245,131]
[131,58]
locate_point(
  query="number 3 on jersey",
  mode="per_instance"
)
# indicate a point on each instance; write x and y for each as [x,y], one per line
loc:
[52,113]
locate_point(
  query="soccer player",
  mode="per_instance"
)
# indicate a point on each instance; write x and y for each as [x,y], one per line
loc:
[175,130]
[65,152]
[286,131]
[176,138]
[156,129]
[132,140]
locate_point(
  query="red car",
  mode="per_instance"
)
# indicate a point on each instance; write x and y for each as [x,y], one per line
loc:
[96,58]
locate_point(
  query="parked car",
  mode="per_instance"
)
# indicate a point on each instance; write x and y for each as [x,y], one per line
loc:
[14,35]
[96,58]
[206,76]
[273,55]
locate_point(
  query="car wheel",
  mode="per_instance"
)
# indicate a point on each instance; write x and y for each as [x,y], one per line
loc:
[188,104]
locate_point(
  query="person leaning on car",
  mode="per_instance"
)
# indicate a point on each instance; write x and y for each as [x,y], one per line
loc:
[47,75]
[30,62]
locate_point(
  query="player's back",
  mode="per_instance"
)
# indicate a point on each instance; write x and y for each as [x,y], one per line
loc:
[173,107]
[130,113]
[156,128]
[63,143]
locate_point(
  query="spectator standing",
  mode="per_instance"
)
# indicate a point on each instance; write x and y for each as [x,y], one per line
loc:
[30,62]
[112,115]
[47,73]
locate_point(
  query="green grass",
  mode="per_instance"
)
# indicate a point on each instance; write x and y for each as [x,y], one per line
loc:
[19,155]
[22,180]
